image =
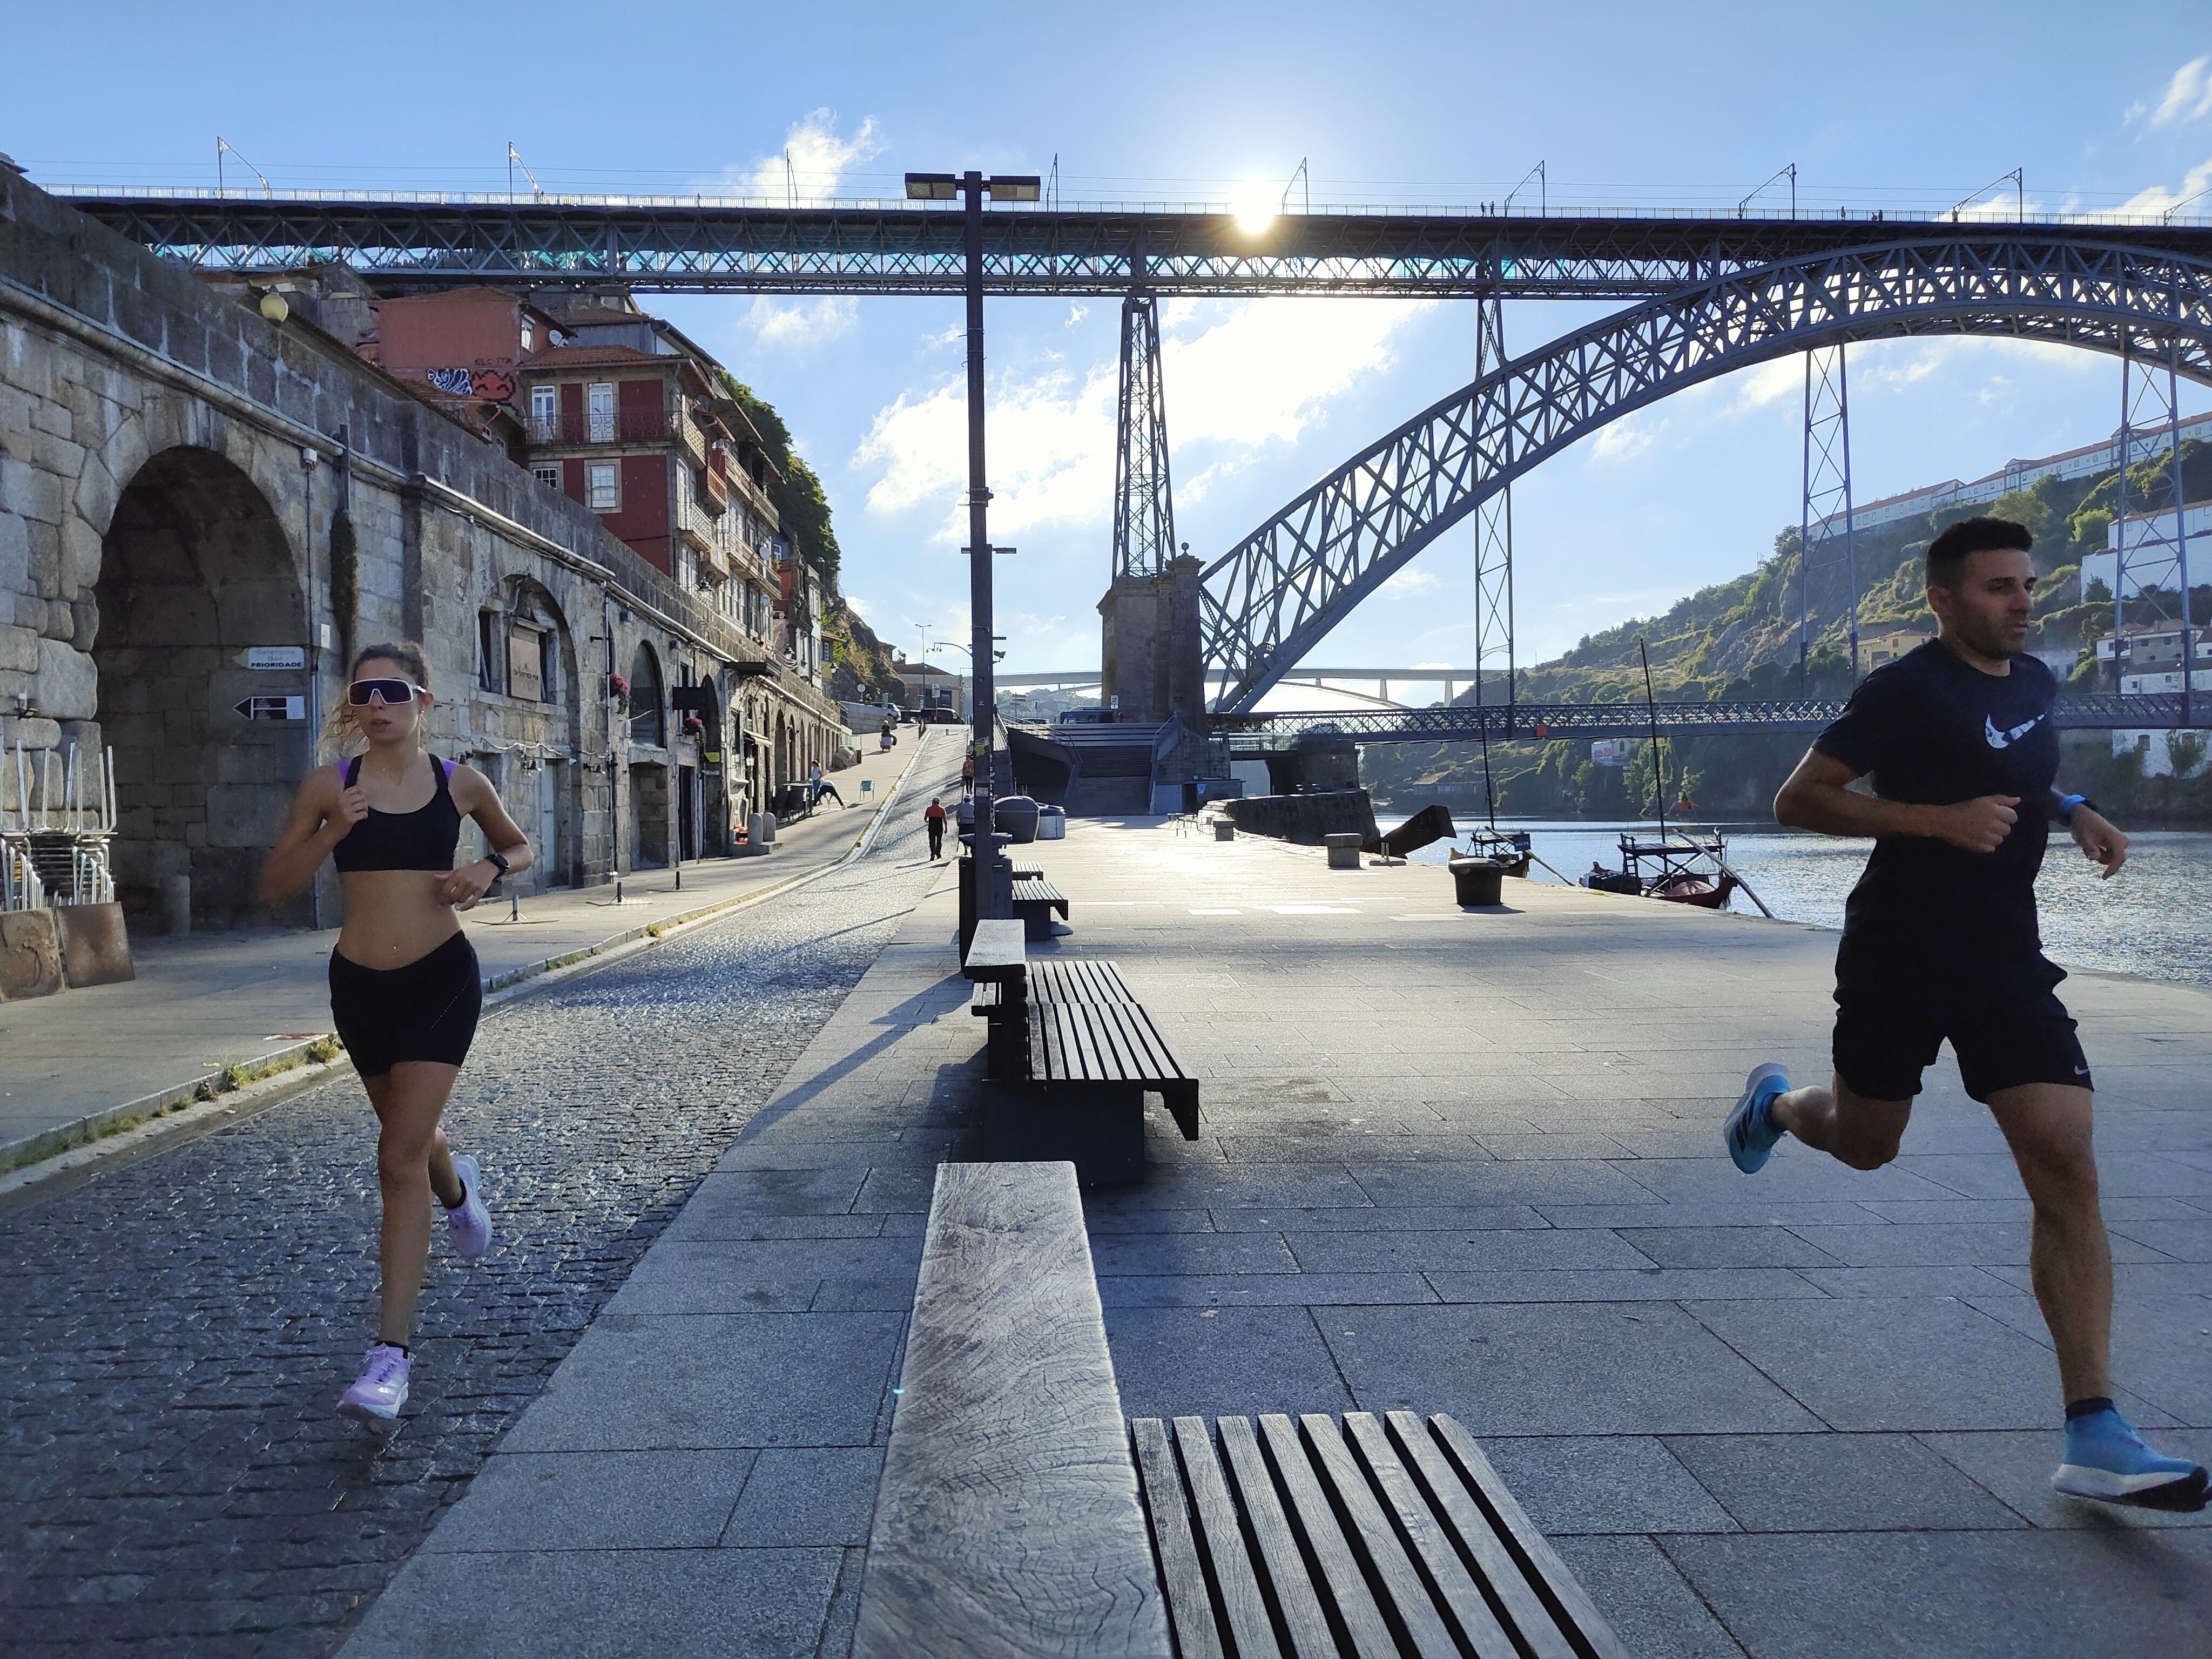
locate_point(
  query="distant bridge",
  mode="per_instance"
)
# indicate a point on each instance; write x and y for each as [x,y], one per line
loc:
[1539,722]
[1450,680]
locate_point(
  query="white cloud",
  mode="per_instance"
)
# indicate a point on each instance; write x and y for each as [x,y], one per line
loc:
[2187,97]
[1412,582]
[1241,376]
[812,163]
[797,324]
[2156,200]
[1076,311]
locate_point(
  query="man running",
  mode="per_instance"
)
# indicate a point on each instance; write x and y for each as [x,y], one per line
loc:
[933,819]
[1940,940]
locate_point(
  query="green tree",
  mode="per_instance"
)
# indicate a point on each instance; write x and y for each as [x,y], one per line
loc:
[797,492]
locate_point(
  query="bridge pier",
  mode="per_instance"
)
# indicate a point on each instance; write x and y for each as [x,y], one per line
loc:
[1149,657]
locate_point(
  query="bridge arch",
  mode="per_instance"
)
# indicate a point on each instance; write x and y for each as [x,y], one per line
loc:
[195,565]
[1270,599]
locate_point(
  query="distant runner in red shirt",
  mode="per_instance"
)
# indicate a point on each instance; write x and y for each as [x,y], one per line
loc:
[934,818]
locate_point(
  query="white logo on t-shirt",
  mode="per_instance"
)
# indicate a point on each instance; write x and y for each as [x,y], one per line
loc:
[2006,739]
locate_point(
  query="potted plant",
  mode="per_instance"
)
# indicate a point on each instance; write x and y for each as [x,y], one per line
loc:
[693,726]
[617,687]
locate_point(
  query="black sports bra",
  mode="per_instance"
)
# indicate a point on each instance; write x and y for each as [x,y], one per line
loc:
[423,839]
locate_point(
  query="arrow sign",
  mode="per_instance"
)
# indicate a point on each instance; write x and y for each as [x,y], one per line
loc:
[272,708]
[272,656]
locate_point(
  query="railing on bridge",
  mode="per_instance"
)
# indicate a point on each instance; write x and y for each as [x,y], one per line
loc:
[1540,721]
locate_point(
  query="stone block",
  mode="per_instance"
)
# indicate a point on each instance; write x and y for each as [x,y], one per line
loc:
[30,955]
[95,951]
[15,551]
[245,814]
[42,571]
[19,649]
[84,614]
[80,556]
[68,685]
[28,732]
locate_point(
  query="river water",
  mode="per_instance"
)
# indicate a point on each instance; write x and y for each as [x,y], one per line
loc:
[2153,919]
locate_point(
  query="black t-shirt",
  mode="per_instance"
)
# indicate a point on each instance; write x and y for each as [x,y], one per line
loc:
[1932,729]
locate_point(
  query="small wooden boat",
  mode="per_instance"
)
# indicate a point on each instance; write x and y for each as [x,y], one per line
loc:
[1511,852]
[1681,867]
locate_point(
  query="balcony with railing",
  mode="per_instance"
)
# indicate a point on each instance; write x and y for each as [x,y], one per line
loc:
[622,426]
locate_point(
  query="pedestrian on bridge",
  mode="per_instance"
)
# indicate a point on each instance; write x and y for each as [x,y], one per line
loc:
[405,987]
[933,819]
[1940,941]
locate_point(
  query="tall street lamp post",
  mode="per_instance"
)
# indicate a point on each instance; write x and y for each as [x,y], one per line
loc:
[991,893]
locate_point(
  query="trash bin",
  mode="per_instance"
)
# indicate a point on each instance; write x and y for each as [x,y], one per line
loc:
[1052,824]
[1344,850]
[1017,815]
[1224,829]
[1479,881]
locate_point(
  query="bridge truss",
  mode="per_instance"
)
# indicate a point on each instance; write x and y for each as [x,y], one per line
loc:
[1275,595]
[1538,721]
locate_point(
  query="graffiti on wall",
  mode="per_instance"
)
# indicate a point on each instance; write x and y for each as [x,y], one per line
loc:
[493,385]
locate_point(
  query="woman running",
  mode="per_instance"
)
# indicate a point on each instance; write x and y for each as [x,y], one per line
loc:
[405,989]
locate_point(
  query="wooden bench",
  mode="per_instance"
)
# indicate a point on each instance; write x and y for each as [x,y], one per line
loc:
[1008,1520]
[1070,1055]
[1369,1537]
[1018,1515]
[1035,901]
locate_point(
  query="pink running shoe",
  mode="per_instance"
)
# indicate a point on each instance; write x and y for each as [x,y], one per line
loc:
[380,1390]
[469,1221]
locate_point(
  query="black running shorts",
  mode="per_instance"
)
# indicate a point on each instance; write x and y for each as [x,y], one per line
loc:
[427,1010]
[2005,1033]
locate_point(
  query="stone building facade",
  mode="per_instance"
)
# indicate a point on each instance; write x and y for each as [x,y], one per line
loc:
[184,476]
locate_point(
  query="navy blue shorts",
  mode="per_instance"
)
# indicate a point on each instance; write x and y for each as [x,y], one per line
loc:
[426,1010]
[2007,1030]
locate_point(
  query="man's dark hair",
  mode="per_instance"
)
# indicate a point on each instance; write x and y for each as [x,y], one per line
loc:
[1946,554]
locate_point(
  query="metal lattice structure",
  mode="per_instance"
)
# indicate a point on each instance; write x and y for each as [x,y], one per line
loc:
[1826,513]
[2098,711]
[2151,567]
[1143,502]
[695,244]
[1271,599]
[1493,538]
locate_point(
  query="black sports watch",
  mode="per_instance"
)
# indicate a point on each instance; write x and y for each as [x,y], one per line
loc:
[2067,803]
[499,861]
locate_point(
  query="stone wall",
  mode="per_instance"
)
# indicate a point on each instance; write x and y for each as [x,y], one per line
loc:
[173,466]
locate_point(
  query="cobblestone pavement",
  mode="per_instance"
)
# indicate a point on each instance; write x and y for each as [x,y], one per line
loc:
[177,1332]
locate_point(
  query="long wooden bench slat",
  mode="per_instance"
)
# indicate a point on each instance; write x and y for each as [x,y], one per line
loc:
[1406,1592]
[1190,1608]
[1539,1627]
[1008,1520]
[1243,1605]
[1447,1574]
[1546,1572]
[1293,1591]
[1364,1625]
[998,951]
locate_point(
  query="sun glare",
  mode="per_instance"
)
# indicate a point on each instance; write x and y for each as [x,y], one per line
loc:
[1254,203]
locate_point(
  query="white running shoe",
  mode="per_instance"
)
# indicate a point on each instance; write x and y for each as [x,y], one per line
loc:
[469,1221]
[380,1390]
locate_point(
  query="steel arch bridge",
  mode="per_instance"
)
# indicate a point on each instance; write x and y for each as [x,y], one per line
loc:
[1271,599]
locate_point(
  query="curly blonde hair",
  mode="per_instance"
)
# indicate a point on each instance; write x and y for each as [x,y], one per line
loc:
[340,737]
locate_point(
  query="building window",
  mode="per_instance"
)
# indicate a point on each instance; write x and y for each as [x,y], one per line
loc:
[529,335]
[605,487]
[491,653]
[548,476]
[545,413]
[599,401]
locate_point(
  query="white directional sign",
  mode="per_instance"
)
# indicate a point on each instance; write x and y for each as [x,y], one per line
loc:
[272,708]
[272,656]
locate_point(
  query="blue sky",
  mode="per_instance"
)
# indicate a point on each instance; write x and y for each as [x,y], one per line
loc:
[1916,104]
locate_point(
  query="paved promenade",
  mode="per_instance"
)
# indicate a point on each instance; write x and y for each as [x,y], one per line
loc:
[201,1004]
[1457,1162]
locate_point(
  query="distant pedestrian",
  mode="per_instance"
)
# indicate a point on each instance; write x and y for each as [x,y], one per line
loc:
[933,820]
[1941,943]
[968,775]
[819,786]
[405,987]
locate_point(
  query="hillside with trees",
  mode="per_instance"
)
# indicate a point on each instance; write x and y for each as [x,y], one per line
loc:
[1738,641]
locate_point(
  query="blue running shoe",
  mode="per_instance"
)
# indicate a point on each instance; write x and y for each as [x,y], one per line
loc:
[1751,1132]
[2106,1459]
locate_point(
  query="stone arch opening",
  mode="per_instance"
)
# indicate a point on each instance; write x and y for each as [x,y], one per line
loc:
[195,568]
[531,729]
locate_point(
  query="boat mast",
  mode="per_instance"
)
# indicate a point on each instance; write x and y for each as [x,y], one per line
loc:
[1658,755]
